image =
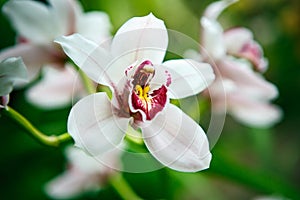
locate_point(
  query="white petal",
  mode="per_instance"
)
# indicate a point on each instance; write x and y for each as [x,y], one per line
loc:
[252,112]
[212,38]
[32,20]
[57,88]
[93,126]
[34,56]
[212,33]
[177,141]
[188,77]
[236,38]
[139,39]
[65,14]
[243,76]
[91,58]
[71,184]
[83,162]
[11,70]
[94,26]
[215,9]
[193,54]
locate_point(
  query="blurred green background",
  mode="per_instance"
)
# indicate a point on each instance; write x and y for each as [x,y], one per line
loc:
[247,162]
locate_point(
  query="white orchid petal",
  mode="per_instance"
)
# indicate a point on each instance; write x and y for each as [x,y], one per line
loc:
[84,162]
[11,70]
[57,88]
[177,141]
[65,13]
[34,56]
[71,184]
[193,54]
[91,58]
[212,38]
[239,42]
[215,9]
[188,77]
[93,126]
[140,38]
[236,38]
[253,83]
[97,33]
[32,20]
[252,112]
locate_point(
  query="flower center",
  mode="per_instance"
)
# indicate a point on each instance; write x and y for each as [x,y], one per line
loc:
[145,103]
[142,92]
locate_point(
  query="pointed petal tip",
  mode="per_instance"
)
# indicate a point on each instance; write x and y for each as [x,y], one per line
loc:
[216,8]
[61,39]
[199,164]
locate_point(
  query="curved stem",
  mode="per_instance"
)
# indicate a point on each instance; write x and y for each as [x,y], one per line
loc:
[52,140]
[123,188]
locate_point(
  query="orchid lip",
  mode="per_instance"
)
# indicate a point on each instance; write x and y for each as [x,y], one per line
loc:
[149,104]
[144,102]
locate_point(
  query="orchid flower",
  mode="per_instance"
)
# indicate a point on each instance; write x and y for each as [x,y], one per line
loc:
[84,174]
[141,86]
[12,70]
[37,25]
[62,84]
[236,57]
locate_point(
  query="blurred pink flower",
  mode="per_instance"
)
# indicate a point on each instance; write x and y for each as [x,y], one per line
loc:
[37,25]
[84,174]
[141,85]
[236,57]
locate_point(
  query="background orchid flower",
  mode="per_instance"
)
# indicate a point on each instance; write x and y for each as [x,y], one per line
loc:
[141,85]
[83,174]
[11,71]
[37,25]
[236,57]
[63,84]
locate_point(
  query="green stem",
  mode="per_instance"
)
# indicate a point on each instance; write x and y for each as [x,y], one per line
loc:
[88,83]
[52,140]
[123,188]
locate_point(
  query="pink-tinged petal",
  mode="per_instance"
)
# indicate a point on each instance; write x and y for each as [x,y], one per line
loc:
[34,56]
[242,74]
[188,77]
[254,53]
[253,112]
[212,39]
[214,9]
[139,39]
[58,88]
[32,20]
[71,184]
[236,38]
[91,58]
[84,174]
[239,42]
[4,101]
[97,33]
[93,126]
[177,141]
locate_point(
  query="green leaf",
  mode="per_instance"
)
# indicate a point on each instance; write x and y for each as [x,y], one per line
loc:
[12,70]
